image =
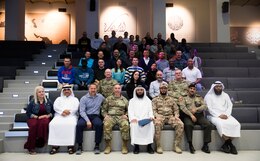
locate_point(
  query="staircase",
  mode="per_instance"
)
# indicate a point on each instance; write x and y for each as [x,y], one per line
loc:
[16,92]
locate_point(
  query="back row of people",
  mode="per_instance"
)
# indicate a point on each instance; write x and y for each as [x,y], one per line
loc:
[146,118]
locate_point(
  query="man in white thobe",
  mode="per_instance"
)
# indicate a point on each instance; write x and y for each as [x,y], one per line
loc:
[140,108]
[220,108]
[62,128]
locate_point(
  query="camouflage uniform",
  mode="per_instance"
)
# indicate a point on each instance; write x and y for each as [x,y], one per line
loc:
[115,108]
[106,87]
[166,111]
[186,104]
[178,89]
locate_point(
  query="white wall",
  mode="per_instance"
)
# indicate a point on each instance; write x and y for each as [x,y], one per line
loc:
[247,16]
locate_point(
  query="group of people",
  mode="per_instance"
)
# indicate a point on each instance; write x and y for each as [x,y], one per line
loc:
[171,79]
[125,55]
[141,119]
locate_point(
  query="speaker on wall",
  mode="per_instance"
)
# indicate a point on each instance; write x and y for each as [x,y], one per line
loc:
[92,5]
[225,7]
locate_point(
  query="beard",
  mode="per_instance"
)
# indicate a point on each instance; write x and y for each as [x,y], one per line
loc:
[140,95]
[217,92]
[163,93]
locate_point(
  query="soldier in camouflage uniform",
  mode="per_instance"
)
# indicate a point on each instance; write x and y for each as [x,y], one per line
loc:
[192,112]
[114,111]
[166,111]
[106,85]
[178,87]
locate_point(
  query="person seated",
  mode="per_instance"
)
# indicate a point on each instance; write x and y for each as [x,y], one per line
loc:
[133,68]
[169,72]
[118,73]
[146,62]
[220,109]
[192,112]
[166,111]
[162,63]
[39,111]
[154,86]
[134,82]
[66,73]
[139,110]
[62,128]
[192,74]
[179,62]
[185,48]
[114,111]
[90,105]
[105,86]
[90,61]
[84,43]
[151,74]
[83,77]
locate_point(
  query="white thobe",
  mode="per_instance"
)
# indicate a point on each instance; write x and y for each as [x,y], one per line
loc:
[62,129]
[141,109]
[218,105]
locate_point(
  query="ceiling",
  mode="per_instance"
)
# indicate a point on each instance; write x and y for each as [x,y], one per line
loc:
[52,1]
[245,3]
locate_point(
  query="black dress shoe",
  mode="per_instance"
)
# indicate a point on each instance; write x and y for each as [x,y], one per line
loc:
[233,149]
[192,150]
[225,148]
[150,149]
[136,149]
[205,149]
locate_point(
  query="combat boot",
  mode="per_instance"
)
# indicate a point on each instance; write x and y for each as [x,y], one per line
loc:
[108,147]
[159,149]
[124,147]
[176,148]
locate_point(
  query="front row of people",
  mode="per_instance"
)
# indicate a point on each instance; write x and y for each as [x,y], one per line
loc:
[143,118]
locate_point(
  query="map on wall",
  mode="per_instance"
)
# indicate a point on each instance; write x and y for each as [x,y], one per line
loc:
[120,19]
[180,21]
[245,35]
[53,28]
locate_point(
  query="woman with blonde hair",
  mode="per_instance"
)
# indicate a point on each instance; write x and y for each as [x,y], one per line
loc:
[39,112]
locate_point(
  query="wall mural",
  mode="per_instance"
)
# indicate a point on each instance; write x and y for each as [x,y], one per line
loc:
[181,22]
[119,19]
[2,26]
[53,28]
[245,35]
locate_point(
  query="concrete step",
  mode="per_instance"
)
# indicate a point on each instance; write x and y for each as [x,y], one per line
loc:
[15,94]
[10,111]
[48,63]
[40,78]
[6,118]
[30,73]
[1,146]
[22,81]
[20,85]
[21,89]
[13,105]
[248,141]
[42,68]
[14,100]
[5,126]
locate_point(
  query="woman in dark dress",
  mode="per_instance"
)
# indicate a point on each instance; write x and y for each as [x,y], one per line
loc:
[39,112]
[134,82]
